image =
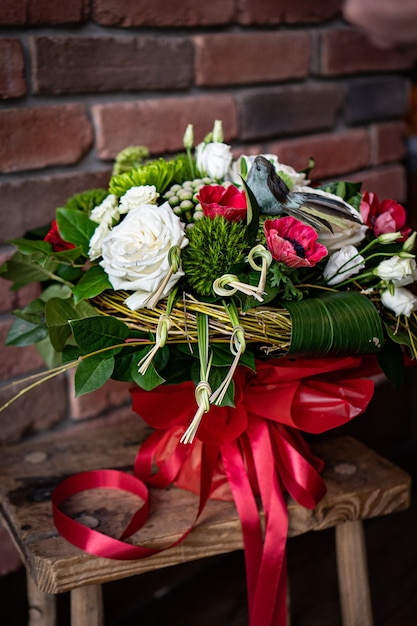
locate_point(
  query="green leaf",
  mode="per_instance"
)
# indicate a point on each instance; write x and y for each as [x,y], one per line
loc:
[51,357]
[92,283]
[75,227]
[252,216]
[36,247]
[23,269]
[97,333]
[151,378]
[58,313]
[68,256]
[25,333]
[56,291]
[216,378]
[338,323]
[391,362]
[92,373]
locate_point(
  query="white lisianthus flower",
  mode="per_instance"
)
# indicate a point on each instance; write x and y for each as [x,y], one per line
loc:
[96,242]
[213,159]
[107,211]
[398,270]
[401,302]
[350,235]
[343,264]
[136,196]
[135,252]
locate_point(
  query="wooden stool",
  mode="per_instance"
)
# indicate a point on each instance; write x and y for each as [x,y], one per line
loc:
[360,485]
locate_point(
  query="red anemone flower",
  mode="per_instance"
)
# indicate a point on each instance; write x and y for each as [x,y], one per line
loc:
[383,217]
[293,242]
[226,201]
[55,239]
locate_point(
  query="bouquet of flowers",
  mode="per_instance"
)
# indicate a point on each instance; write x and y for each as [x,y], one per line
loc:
[231,293]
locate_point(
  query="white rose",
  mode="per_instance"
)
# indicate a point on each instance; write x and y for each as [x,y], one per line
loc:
[96,241]
[399,271]
[213,159]
[135,196]
[343,264]
[401,302]
[106,211]
[350,235]
[135,252]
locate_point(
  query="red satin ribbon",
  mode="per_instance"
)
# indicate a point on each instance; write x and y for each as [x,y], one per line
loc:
[255,449]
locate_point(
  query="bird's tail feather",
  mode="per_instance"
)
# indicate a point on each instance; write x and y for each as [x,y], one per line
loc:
[331,207]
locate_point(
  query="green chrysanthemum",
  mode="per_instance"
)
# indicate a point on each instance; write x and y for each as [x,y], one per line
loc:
[215,245]
[160,173]
[130,158]
[87,200]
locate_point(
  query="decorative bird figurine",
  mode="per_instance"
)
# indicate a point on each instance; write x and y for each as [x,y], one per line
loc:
[314,208]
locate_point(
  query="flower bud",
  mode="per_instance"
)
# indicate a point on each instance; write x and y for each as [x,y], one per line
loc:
[218,135]
[188,137]
[386,238]
[410,242]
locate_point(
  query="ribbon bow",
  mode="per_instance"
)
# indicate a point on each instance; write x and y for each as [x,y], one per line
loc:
[255,449]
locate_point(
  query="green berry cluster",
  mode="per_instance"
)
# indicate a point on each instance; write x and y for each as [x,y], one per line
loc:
[183,199]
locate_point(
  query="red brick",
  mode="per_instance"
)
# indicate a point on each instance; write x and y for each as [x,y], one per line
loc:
[334,154]
[13,12]
[388,142]
[12,65]
[386,182]
[35,411]
[348,51]
[112,394]
[10,560]
[34,138]
[286,11]
[16,361]
[160,124]
[279,111]
[376,98]
[260,57]
[30,202]
[163,12]
[100,64]
[10,300]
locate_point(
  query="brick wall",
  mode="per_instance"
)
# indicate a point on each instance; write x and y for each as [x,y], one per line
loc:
[80,80]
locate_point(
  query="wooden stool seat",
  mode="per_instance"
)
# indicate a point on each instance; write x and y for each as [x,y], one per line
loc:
[360,485]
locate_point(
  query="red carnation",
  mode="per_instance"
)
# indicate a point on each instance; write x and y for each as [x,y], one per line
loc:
[293,242]
[54,238]
[226,201]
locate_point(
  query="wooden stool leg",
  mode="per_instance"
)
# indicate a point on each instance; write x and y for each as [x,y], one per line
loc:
[87,606]
[353,575]
[42,606]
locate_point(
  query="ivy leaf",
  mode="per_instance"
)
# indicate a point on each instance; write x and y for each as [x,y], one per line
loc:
[97,333]
[92,373]
[75,227]
[92,283]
